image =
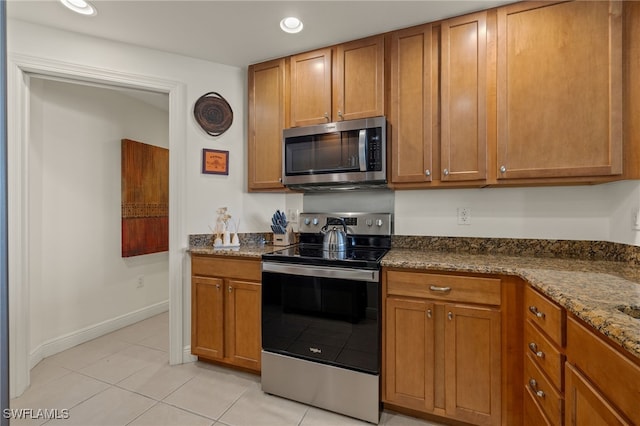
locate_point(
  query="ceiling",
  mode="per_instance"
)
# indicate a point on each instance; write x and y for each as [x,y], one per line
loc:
[239,33]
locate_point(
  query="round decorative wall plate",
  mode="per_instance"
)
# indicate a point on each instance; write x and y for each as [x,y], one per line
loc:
[213,113]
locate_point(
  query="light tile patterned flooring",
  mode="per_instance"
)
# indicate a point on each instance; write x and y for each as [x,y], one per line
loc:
[124,378]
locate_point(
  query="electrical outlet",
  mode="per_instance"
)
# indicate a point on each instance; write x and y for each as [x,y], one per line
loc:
[464,216]
[140,281]
[635,219]
[292,215]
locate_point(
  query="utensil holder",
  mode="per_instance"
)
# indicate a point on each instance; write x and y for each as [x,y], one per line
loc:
[285,239]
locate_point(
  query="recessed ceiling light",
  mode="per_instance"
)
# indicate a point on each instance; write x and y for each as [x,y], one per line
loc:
[291,25]
[80,6]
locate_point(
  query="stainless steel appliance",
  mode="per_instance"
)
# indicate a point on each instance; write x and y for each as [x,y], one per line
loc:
[321,322]
[345,154]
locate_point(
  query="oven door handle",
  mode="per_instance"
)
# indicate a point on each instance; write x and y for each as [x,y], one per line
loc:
[366,275]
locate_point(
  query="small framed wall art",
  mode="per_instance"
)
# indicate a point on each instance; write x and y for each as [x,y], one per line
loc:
[215,162]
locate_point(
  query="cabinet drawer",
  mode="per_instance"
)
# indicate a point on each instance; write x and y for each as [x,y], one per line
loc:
[533,414]
[444,287]
[549,399]
[545,354]
[228,267]
[545,314]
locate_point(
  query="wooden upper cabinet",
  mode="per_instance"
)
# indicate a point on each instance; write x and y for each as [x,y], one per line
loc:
[359,81]
[410,107]
[559,90]
[311,85]
[463,144]
[349,86]
[266,120]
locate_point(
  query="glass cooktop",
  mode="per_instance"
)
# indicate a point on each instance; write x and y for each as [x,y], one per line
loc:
[312,254]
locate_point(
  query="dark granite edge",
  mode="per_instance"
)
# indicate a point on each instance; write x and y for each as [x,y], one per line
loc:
[564,249]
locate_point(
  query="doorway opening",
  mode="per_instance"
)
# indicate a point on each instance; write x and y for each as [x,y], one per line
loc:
[25,74]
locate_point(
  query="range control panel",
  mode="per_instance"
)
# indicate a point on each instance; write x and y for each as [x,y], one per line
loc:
[357,223]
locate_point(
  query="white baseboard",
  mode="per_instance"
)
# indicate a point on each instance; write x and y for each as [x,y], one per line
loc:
[187,356]
[64,342]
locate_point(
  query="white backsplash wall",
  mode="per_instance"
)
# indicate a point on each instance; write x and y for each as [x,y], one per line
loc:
[593,212]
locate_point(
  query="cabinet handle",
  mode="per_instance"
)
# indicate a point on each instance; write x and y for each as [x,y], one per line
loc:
[450,316]
[503,169]
[218,286]
[440,289]
[230,288]
[427,172]
[340,114]
[326,115]
[534,387]
[534,310]
[428,313]
[446,172]
[534,348]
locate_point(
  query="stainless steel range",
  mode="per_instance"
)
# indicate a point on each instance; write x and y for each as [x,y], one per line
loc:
[321,322]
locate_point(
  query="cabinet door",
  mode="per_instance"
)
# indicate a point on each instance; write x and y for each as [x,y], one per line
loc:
[266,120]
[585,405]
[243,341]
[559,90]
[359,82]
[463,145]
[207,317]
[311,88]
[472,364]
[409,354]
[410,105]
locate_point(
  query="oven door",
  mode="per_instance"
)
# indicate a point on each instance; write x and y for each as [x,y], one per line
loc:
[329,315]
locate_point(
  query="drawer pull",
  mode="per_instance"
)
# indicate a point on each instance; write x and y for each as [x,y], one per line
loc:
[428,313]
[534,387]
[534,349]
[450,316]
[440,289]
[534,310]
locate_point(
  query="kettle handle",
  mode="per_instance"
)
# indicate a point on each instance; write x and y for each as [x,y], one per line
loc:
[325,228]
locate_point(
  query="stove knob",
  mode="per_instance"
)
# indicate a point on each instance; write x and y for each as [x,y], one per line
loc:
[379,222]
[307,221]
[315,221]
[369,222]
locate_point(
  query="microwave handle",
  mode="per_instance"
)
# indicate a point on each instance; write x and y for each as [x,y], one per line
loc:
[362,149]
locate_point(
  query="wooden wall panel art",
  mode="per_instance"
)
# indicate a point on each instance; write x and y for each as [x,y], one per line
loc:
[145,198]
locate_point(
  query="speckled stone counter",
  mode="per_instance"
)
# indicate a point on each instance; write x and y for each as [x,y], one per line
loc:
[251,245]
[592,290]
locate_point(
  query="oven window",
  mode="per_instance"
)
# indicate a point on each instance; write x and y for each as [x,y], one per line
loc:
[333,321]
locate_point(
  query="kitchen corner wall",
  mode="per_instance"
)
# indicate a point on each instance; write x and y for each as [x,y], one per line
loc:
[602,212]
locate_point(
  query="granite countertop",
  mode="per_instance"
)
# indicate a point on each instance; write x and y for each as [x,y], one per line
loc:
[591,290]
[248,250]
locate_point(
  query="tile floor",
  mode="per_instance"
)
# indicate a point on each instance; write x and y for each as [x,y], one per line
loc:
[124,378]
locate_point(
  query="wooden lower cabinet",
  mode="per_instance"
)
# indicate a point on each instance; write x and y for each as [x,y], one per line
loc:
[586,405]
[602,384]
[442,358]
[225,311]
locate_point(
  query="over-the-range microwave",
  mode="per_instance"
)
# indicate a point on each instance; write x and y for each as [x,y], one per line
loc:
[342,155]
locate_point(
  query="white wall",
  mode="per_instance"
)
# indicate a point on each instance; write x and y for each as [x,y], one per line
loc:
[78,278]
[204,193]
[598,212]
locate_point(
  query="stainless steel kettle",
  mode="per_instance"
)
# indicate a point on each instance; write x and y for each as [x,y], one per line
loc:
[335,239]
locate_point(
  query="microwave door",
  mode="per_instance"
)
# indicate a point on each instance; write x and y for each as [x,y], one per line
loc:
[362,149]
